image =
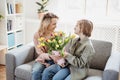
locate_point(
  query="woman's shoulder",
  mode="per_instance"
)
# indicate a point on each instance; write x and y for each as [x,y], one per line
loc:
[37,35]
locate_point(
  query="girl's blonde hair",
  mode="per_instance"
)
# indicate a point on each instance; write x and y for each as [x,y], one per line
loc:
[46,20]
[86,26]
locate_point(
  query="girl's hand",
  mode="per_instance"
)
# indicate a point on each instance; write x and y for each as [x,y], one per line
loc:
[65,53]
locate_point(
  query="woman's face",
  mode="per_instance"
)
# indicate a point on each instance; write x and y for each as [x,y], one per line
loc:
[77,29]
[52,25]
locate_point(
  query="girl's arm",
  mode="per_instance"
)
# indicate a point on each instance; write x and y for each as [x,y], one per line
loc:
[82,60]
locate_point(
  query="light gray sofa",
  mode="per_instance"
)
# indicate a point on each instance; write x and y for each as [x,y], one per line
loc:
[19,62]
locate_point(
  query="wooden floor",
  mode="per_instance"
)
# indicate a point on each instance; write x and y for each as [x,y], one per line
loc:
[2,72]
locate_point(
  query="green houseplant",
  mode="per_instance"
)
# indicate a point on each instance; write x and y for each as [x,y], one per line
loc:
[42,5]
[1,17]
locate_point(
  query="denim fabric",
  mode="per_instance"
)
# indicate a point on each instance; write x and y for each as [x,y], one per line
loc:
[68,78]
[62,74]
[49,62]
[49,72]
[37,71]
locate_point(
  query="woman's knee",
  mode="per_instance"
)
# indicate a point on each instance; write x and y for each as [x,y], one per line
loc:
[37,71]
[37,68]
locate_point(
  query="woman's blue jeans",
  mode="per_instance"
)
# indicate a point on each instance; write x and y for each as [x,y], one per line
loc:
[38,69]
[55,72]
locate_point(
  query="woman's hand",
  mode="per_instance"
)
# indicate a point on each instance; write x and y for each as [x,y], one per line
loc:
[43,56]
[40,60]
[43,49]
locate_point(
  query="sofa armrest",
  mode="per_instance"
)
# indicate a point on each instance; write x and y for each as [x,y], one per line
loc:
[111,71]
[17,57]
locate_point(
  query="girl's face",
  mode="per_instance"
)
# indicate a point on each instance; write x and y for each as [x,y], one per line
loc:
[77,29]
[52,25]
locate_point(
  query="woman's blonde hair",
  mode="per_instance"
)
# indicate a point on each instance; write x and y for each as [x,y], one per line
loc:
[86,26]
[46,20]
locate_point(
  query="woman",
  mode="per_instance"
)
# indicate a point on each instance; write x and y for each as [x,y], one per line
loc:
[78,53]
[47,27]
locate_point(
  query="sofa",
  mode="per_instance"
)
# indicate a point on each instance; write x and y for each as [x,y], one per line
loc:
[104,65]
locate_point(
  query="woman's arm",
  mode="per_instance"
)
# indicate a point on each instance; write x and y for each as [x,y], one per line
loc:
[35,40]
[82,60]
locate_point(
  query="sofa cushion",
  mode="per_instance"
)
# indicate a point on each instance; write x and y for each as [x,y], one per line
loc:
[94,78]
[16,78]
[113,62]
[110,75]
[95,72]
[24,71]
[102,53]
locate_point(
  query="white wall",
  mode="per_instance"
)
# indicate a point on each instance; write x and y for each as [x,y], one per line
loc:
[69,11]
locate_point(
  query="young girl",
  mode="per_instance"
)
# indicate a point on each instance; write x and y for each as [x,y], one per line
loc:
[47,27]
[78,53]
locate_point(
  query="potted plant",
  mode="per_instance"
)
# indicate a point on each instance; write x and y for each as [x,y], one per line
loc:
[42,5]
[1,17]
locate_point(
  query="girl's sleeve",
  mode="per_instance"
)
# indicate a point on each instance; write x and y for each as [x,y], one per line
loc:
[68,46]
[83,59]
